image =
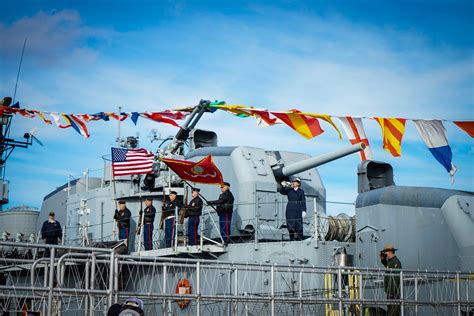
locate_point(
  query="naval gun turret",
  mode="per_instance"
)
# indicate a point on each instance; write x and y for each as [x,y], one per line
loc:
[255,175]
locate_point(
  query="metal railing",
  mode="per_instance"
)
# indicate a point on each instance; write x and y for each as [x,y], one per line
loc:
[316,225]
[86,281]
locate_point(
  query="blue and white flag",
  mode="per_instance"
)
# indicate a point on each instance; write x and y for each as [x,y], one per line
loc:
[433,134]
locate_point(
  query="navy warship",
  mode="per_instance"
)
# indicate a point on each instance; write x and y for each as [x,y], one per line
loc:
[334,270]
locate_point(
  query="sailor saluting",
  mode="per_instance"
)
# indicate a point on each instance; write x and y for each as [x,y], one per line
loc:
[295,209]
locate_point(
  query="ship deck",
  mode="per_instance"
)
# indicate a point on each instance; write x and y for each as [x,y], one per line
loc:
[210,250]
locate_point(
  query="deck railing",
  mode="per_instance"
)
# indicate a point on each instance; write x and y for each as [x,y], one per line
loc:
[86,281]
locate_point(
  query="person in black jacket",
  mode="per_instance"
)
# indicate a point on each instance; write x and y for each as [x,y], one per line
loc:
[122,216]
[225,206]
[168,218]
[51,231]
[295,209]
[193,213]
[148,221]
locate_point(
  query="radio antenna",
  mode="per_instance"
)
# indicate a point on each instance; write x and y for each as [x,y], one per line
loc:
[19,68]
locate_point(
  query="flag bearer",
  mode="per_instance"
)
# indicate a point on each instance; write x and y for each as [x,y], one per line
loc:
[225,206]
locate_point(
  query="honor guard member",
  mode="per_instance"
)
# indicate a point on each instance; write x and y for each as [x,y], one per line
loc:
[193,213]
[168,218]
[51,232]
[225,206]
[295,209]
[391,280]
[122,216]
[148,220]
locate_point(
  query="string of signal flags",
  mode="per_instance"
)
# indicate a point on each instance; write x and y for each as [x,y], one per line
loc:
[432,131]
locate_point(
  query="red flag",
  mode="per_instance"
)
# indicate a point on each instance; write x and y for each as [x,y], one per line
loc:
[175,115]
[203,171]
[158,117]
[264,117]
[467,126]
[23,112]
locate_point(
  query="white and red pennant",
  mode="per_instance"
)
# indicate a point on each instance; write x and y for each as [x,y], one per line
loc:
[354,129]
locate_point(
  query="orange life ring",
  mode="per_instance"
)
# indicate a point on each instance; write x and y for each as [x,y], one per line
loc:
[183,287]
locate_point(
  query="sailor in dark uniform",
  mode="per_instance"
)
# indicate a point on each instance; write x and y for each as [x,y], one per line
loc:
[225,206]
[168,218]
[391,280]
[122,216]
[148,220]
[193,213]
[51,232]
[295,209]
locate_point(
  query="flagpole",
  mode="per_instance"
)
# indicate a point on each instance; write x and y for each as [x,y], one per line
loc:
[118,138]
[113,178]
[205,200]
[212,206]
[141,219]
[114,231]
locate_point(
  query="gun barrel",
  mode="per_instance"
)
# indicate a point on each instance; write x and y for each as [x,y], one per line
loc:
[320,160]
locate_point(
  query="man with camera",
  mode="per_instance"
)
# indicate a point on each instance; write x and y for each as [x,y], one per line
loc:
[392,279]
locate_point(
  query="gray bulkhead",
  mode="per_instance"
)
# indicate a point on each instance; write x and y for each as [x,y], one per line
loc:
[427,225]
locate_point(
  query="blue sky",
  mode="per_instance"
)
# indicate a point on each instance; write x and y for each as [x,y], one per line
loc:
[409,59]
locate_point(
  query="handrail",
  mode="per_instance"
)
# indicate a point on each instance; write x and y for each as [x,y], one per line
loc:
[33,268]
[49,246]
[153,278]
[240,263]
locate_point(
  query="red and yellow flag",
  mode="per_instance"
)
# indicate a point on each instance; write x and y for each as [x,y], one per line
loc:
[203,171]
[392,134]
[306,126]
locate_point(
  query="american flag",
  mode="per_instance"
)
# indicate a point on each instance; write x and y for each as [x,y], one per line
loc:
[131,161]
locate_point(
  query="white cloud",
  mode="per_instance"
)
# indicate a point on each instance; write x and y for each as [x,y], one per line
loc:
[51,36]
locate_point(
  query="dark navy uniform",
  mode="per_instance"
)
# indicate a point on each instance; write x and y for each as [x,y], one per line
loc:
[169,221]
[194,211]
[123,222]
[294,211]
[51,232]
[225,206]
[148,220]
[392,284]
